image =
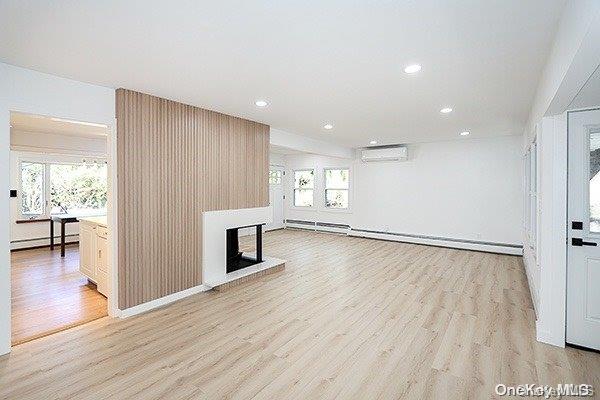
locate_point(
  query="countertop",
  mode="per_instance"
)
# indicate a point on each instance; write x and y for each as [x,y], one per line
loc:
[100,220]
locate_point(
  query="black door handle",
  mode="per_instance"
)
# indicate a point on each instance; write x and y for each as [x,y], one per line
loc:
[580,242]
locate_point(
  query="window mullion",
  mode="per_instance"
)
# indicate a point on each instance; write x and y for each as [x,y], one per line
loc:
[47,191]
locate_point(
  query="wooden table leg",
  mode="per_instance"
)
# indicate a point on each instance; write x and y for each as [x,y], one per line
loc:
[51,234]
[62,238]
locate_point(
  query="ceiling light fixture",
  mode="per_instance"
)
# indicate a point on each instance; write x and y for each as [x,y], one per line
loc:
[261,103]
[69,121]
[328,127]
[412,69]
[464,133]
[446,110]
[373,142]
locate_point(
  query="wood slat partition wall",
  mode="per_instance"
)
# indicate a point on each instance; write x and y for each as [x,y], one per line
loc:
[175,161]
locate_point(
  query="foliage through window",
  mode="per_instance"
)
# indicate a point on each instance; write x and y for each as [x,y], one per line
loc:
[32,188]
[77,188]
[336,188]
[304,185]
[274,177]
[49,188]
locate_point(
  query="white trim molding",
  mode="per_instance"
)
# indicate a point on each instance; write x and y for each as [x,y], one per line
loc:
[490,247]
[163,301]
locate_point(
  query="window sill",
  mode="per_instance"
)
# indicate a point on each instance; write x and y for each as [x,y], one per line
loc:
[31,221]
[337,210]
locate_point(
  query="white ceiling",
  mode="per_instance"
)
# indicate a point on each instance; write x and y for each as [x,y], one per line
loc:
[315,61]
[45,124]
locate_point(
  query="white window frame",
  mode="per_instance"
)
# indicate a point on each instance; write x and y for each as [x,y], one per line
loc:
[325,188]
[43,159]
[281,175]
[533,196]
[314,171]
[45,190]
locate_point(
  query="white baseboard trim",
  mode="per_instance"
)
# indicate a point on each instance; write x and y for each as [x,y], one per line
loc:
[442,242]
[151,305]
[544,336]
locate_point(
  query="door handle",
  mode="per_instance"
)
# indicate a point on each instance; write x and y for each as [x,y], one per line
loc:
[580,242]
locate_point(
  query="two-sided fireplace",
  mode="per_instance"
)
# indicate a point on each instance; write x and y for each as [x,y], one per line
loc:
[236,259]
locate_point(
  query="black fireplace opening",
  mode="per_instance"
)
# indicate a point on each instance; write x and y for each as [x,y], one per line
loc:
[236,259]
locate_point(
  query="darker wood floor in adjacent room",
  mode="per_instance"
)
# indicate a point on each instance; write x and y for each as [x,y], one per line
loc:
[49,294]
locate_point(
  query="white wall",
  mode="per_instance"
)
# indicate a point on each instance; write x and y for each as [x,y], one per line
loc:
[33,92]
[466,189]
[276,159]
[571,61]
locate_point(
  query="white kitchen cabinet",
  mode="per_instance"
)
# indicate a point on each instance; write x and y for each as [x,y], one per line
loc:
[87,251]
[93,253]
[102,259]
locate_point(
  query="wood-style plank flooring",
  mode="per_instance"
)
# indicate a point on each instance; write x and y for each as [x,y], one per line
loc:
[49,294]
[348,318]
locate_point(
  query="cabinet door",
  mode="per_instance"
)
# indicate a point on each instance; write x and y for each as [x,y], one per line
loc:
[87,244]
[102,264]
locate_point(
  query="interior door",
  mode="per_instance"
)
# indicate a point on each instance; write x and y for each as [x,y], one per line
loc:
[583,268]
[276,178]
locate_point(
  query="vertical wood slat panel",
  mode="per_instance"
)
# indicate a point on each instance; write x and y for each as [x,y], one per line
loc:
[175,161]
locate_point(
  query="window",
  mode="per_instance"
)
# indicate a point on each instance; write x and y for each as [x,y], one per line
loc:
[77,188]
[304,185]
[275,177]
[32,189]
[52,188]
[336,188]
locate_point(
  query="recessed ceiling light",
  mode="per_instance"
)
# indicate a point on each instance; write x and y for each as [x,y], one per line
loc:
[261,103]
[328,127]
[446,110]
[412,69]
[464,133]
[373,142]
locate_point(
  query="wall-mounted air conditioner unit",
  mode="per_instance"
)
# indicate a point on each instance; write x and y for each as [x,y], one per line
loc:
[395,153]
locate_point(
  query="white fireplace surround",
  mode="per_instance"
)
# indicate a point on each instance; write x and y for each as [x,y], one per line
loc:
[214,243]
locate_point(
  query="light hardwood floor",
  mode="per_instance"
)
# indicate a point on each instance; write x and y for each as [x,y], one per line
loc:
[49,294]
[348,318]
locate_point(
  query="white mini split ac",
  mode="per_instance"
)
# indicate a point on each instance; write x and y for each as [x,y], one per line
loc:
[396,153]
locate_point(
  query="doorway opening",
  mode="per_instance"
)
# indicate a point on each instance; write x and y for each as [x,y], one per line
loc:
[276,197]
[59,189]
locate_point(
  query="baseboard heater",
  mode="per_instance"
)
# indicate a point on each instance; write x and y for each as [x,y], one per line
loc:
[300,222]
[329,225]
[22,244]
[512,247]
[315,225]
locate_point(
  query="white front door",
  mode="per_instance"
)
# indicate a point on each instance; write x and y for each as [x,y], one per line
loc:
[583,268]
[276,177]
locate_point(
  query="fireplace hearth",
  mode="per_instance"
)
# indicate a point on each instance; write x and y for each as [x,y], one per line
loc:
[236,259]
